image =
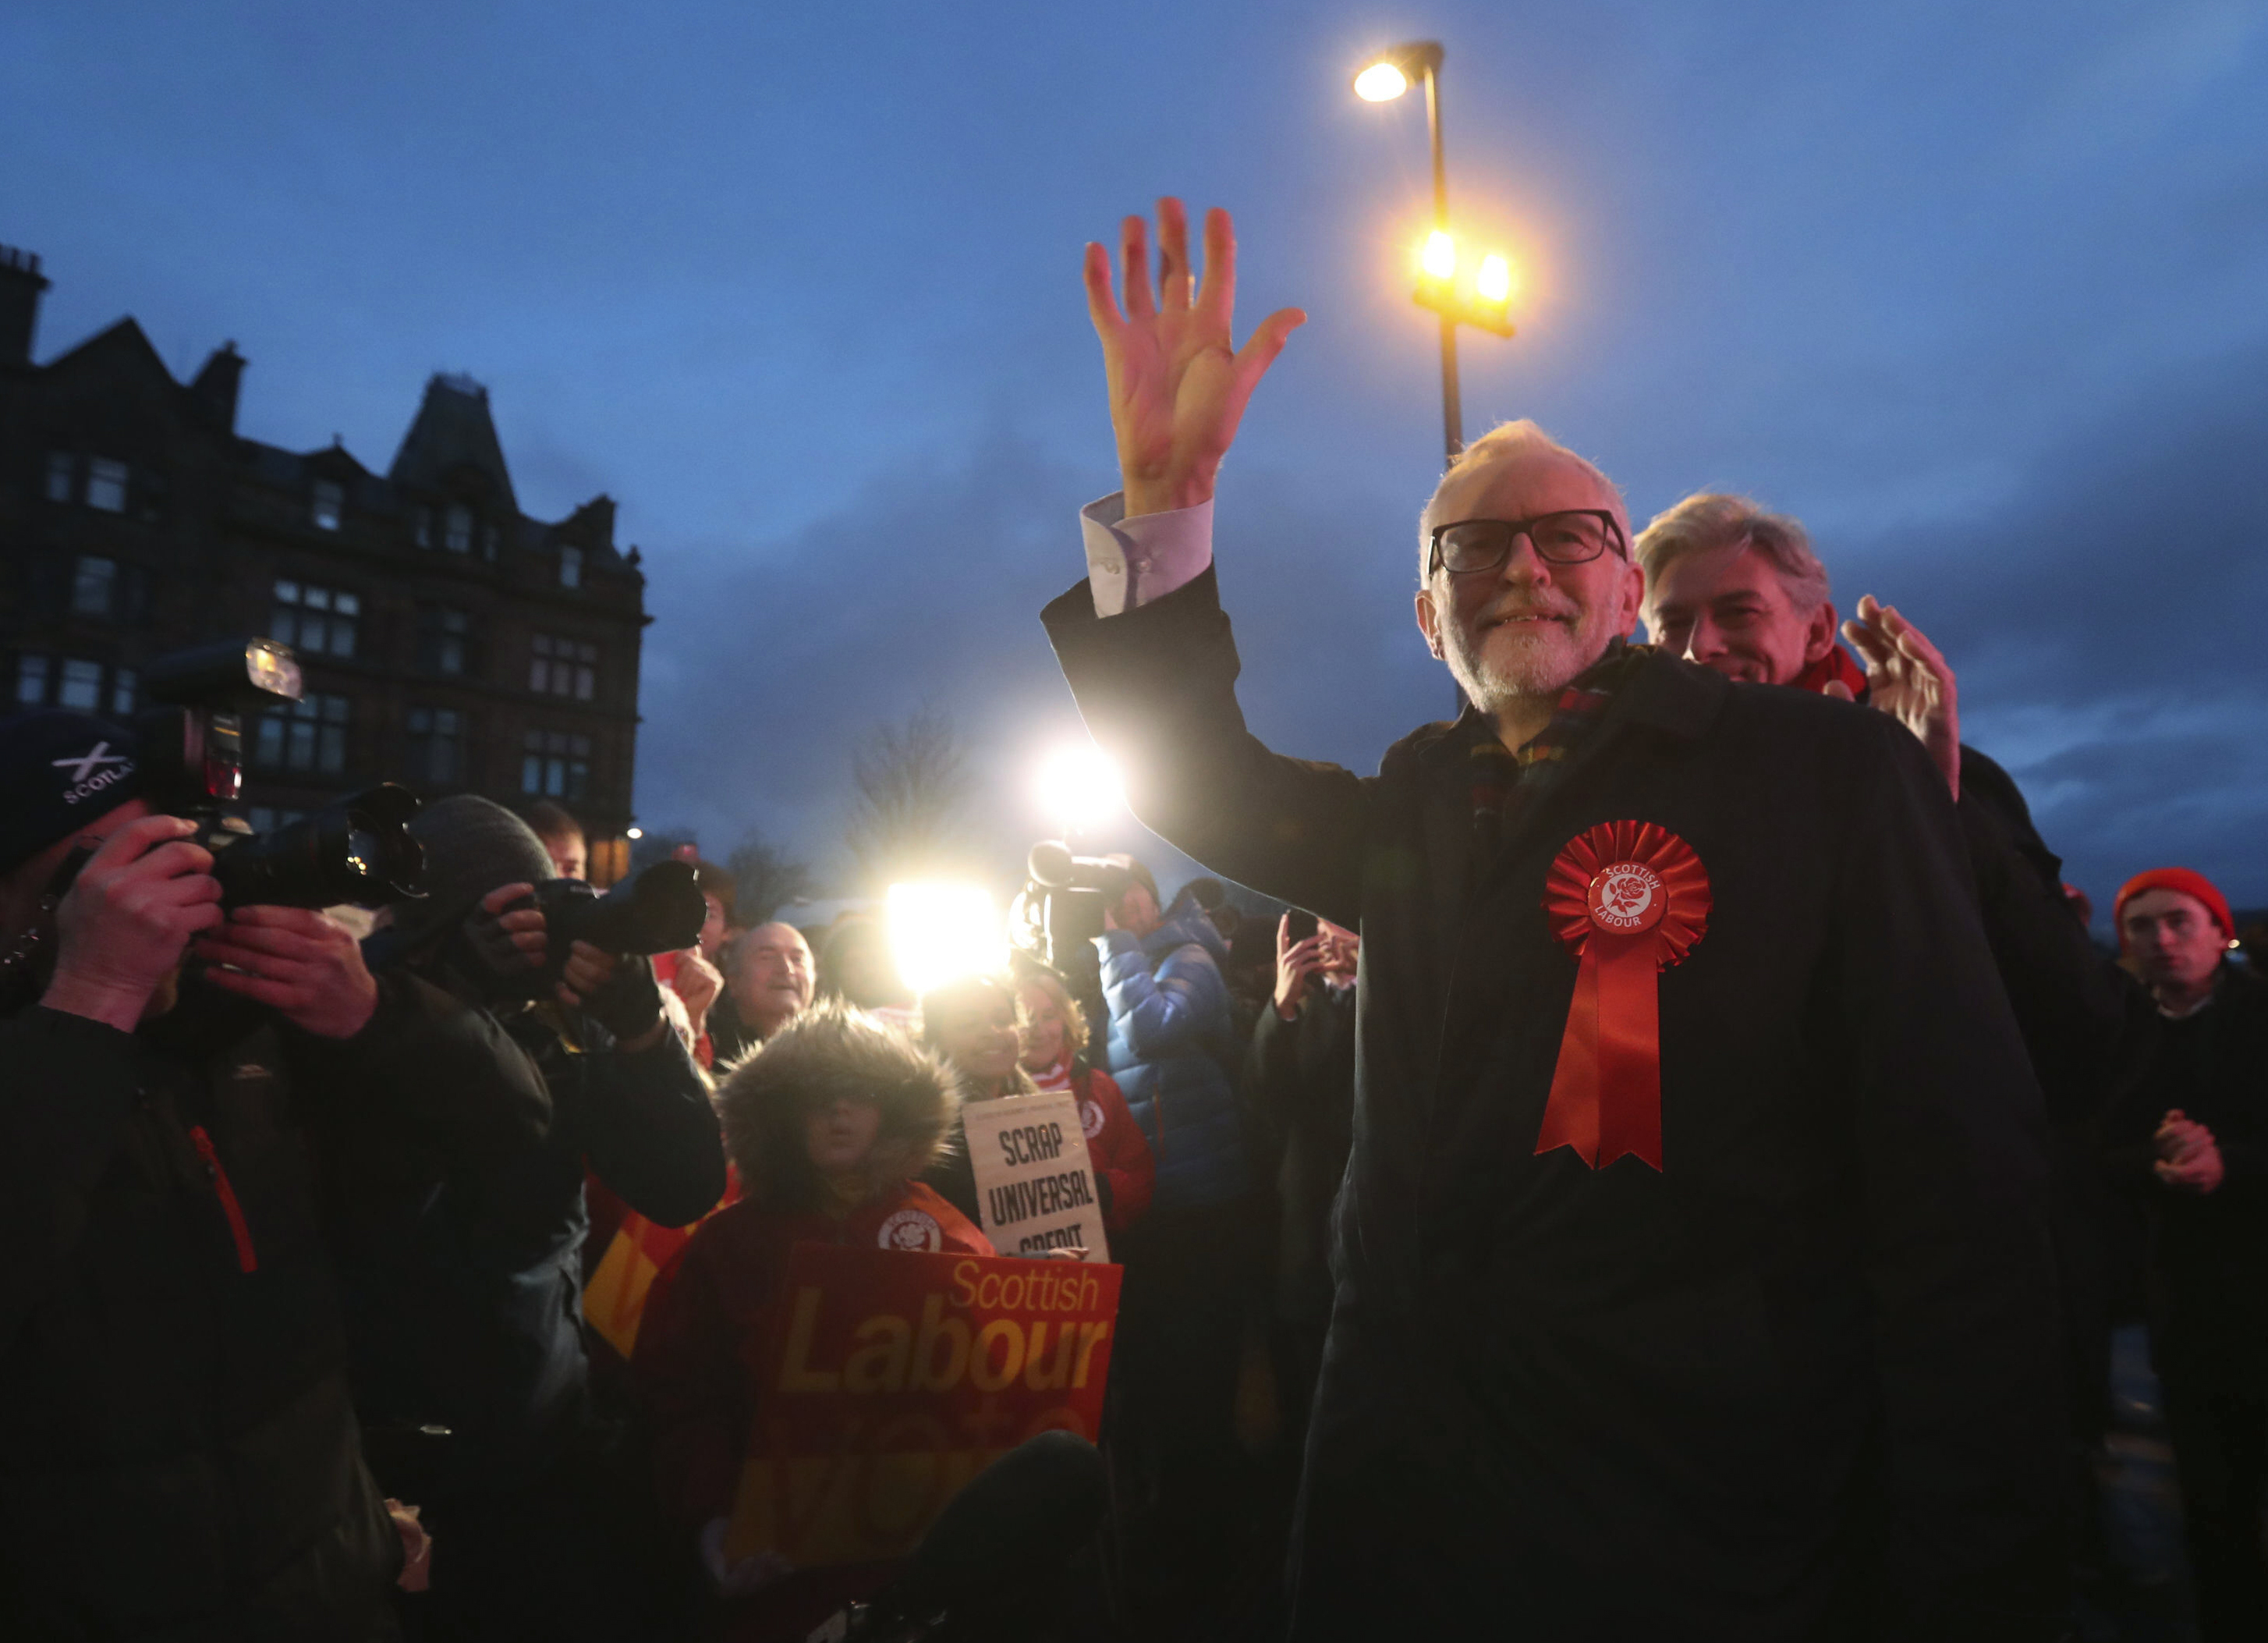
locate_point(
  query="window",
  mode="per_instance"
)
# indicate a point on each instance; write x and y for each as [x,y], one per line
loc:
[82,686]
[557,667]
[94,586]
[571,567]
[268,818]
[557,765]
[311,734]
[330,505]
[124,685]
[31,681]
[105,485]
[421,527]
[488,542]
[459,539]
[62,475]
[319,620]
[443,639]
[437,745]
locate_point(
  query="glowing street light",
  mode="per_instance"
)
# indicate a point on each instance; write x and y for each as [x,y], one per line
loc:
[1380,83]
[942,932]
[1485,300]
[1080,788]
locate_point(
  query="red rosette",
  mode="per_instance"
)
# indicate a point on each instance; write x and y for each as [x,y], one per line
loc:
[1629,899]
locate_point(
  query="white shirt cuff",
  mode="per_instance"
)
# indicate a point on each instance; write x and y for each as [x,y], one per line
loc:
[1133,562]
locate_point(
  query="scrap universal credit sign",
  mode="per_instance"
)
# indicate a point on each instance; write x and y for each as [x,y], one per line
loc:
[892,1379]
[1035,1181]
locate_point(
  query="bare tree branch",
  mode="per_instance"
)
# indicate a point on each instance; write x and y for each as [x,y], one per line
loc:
[908,813]
[765,879]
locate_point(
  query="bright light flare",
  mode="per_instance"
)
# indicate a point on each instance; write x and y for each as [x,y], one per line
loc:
[636,832]
[1438,259]
[1080,786]
[940,933]
[1493,282]
[1380,83]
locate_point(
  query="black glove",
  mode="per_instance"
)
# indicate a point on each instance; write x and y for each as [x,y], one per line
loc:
[631,1002]
[490,947]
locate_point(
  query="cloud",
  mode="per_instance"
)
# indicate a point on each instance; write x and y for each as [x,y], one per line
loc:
[2104,621]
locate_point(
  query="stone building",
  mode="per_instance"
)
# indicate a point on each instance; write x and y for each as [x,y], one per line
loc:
[447,640]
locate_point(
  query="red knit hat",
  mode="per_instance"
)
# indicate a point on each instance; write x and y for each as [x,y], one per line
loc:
[2187,883]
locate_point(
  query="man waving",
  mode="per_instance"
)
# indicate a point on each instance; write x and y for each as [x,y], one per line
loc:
[1692,1278]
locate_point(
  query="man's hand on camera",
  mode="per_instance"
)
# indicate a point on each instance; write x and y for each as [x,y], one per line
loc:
[617,990]
[507,942]
[298,963]
[133,908]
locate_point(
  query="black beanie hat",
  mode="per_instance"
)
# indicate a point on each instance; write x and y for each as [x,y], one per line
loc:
[472,846]
[59,770]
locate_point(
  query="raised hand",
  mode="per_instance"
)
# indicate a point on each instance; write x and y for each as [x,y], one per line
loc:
[1909,679]
[1178,383]
[1297,962]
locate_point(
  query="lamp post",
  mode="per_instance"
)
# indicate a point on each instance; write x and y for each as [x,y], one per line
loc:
[1485,300]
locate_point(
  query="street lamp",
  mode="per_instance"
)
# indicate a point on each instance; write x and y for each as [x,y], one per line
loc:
[1484,298]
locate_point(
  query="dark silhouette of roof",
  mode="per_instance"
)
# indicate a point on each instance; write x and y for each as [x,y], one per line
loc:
[452,429]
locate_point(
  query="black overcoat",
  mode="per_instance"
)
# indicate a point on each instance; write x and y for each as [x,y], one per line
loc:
[1802,1381]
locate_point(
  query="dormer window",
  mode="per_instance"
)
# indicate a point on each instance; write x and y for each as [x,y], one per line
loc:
[330,505]
[571,567]
[421,525]
[489,544]
[460,537]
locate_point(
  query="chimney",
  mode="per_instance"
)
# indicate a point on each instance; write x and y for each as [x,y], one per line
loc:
[20,285]
[214,387]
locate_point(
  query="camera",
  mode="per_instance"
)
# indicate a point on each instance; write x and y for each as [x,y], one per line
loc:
[1059,913]
[357,851]
[660,910]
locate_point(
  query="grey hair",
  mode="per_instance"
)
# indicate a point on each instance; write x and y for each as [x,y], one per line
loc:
[1708,521]
[1505,442]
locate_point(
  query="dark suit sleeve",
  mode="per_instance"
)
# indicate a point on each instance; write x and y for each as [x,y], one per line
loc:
[2067,998]
[1951,1147]
[443,1070]
[1157,686]
[64,1102]
[650,1134]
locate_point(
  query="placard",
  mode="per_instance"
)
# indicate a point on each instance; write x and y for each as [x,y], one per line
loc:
[1034,1181]
[892,1379]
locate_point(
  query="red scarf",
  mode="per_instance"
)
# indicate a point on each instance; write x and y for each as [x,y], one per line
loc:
[1835,667]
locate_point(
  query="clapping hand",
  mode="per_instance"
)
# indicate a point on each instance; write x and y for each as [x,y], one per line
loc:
[1908,679]
[1178,384]
[2188,1156]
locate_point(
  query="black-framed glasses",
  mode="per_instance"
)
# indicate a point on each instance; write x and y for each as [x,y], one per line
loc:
[1571,536]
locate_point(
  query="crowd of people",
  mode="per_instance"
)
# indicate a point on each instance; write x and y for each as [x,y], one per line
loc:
[1662,1158]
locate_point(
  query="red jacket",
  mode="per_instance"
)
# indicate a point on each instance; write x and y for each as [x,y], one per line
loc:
[700,1349]
[701,1343]
[1117,1146]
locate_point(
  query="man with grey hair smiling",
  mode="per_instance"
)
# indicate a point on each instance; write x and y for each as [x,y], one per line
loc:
[1692,1277]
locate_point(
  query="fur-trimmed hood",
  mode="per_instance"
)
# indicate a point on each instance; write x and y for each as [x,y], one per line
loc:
[833,1049]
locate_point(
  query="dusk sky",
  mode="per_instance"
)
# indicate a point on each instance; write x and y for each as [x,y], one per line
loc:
[1979,290]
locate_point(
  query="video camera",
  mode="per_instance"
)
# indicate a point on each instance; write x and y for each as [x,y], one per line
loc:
[357,851]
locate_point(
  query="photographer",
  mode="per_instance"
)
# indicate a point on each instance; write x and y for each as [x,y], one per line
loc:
[177,1454]
[471,1304]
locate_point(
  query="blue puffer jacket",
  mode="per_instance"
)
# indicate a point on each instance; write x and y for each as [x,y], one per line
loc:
[1170,1042]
